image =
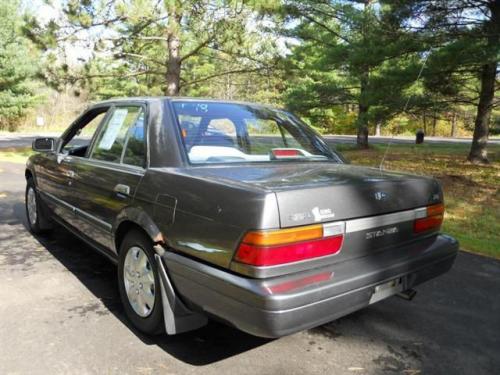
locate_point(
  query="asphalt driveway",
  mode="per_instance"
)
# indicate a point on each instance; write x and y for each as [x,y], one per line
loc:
[60,313]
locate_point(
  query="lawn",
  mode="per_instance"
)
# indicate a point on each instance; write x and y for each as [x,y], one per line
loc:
[15,155]
[472,193]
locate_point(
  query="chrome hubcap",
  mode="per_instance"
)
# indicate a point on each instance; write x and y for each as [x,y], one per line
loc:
[139,281]
[31,205]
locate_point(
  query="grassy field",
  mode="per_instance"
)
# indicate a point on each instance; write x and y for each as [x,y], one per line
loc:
[472,192]
[15,155]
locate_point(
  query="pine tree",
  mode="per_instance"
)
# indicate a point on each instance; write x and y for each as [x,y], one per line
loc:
[151,47]
[350,53]
[18,67]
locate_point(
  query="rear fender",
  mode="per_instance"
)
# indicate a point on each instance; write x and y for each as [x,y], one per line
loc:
[141,219]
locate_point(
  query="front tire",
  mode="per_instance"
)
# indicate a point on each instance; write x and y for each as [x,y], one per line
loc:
[34,211]
[139,283]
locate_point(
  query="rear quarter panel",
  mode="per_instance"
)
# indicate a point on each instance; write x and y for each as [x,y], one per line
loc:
[205,218]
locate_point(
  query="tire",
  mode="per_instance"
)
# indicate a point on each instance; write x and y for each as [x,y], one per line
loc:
[146,318]
[38,222]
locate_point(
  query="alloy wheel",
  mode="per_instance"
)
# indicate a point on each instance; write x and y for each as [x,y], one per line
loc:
[139,281]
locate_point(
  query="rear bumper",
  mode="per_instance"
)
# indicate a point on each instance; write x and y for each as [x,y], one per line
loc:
[283,305]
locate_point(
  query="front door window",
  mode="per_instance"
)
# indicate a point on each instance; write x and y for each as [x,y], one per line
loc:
[125,125]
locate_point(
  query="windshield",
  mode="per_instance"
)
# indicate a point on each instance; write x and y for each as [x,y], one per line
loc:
[233,133]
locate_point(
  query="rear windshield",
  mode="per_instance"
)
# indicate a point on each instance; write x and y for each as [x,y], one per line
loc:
[235,133]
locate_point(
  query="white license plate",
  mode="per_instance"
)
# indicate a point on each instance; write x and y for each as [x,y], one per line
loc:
[387,289]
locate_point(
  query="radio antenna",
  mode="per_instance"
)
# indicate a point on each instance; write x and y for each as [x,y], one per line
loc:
[381,165]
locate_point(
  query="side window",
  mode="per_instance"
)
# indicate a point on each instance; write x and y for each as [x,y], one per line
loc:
[77,143]
[113,136]
[135,149]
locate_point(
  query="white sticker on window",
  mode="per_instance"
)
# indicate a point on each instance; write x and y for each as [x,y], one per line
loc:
[113,128]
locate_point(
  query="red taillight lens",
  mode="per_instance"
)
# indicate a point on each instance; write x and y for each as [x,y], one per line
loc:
[269,248]
[273,255]
[434,219]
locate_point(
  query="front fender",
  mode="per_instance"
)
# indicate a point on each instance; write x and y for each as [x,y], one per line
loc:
[30,169]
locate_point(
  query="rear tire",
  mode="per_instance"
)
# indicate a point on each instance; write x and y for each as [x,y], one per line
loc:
[139,283]
[35,213]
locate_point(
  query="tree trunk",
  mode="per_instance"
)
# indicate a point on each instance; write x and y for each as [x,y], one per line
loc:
[362,135]
[454,125]
[478,152]
[173,77]
[378,125]
[362,120]
[434,123]
[425,123]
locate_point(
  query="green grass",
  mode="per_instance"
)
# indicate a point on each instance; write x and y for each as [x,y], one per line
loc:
[15,155]
[472,192]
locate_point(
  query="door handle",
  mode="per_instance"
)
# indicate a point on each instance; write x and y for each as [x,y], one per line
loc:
[121,189]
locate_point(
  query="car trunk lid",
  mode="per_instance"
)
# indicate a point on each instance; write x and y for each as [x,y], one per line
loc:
[378,208]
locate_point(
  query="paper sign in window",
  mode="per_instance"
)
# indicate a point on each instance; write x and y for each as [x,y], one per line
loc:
[113,128]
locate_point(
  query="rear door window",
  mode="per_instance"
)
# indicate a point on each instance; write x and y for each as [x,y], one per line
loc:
[115,133]
[135,149]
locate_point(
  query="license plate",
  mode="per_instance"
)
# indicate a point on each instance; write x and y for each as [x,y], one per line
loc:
[387,289]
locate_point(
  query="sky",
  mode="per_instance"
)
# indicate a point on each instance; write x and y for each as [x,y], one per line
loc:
[44,12]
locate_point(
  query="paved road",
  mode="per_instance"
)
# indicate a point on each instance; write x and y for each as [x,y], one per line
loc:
[25,140]
[60,313]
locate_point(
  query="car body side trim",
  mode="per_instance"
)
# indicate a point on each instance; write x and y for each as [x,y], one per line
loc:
[85,215]
[100,249]
[56,200]
[93,220]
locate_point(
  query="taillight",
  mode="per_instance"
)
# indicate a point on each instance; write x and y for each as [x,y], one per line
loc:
[269,248]
[431,220]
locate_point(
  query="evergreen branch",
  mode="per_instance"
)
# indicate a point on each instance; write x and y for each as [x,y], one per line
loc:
[209,77]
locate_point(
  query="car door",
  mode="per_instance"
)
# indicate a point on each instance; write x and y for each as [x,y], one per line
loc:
[106,181]
[55,171]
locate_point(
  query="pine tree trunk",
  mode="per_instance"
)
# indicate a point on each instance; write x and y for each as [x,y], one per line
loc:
[478,152]
[362,135]
[363,107]
[362,120]
[173,77]
[454,125]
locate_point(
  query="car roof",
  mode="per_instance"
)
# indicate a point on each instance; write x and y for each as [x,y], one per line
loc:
[179,98]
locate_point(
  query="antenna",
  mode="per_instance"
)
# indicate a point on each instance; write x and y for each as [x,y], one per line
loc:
[381,165]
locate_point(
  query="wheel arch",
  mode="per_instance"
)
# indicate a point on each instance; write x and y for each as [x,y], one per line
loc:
[28,173]
[135,218]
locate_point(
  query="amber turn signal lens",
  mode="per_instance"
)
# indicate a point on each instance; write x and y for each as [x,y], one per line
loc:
[284,236]
[433,221]
[436,209]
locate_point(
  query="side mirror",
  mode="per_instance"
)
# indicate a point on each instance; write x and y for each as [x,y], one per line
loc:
[43,144]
